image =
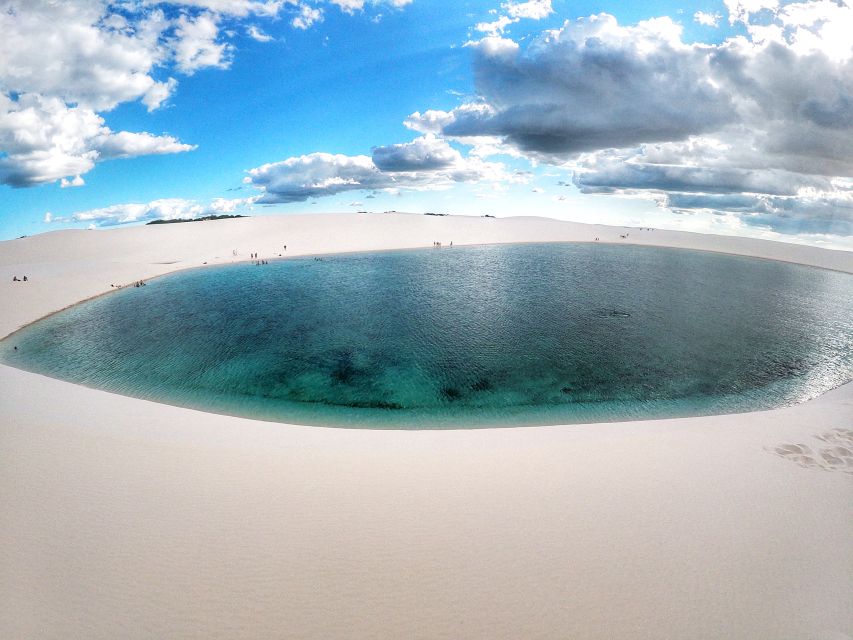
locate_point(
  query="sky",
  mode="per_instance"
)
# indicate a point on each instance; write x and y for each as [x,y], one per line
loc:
[720,116]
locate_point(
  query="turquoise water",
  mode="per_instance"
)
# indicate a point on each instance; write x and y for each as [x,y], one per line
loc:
[475,336]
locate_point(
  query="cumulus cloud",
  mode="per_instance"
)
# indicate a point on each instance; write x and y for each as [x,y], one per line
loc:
[64,50]
[240,8]
[592,84]
[44,140]
[60,65]
[744,10]
[707,19]
[425,163]
[533,9]
[125,144]
[309,14]
[272,8]
[299,178]
[257,34]
[350,6]
[306,17]
[808,213]
[764,118]
[64,64]
[76,181]
[158,93]
[427,153]
[431,121]
[163,209]
[514,12]
[603,174]
[196,46]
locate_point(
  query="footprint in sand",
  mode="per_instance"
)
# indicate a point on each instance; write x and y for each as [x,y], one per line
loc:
[799,453]
[843,437]
[836,457]
[840,458]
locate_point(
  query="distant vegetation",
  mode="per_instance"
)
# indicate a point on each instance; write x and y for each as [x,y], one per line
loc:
[222,217]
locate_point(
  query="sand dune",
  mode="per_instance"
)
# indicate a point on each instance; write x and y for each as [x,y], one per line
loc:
[130,519]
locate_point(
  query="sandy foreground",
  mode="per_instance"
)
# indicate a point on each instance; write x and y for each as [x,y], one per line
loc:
[121,518]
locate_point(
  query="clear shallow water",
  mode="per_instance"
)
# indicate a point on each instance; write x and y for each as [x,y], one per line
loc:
[475,336]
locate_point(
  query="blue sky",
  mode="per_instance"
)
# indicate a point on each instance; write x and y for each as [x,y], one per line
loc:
[730,117]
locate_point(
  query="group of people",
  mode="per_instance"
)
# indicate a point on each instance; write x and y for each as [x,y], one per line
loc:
[437,245]
[254,255]
[625,235]
[138,283]
[17,279]
[260,262]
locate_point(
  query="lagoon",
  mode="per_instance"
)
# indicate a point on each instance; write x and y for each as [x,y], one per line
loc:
[495,335]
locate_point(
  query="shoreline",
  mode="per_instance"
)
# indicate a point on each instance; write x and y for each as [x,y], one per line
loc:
[183,269]
[123,515]
[814,257]
[380,425]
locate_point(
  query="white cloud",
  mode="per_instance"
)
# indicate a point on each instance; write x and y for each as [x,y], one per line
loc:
[64,63]
[819,27]
[158,93]
[806,214]
[239,8]
[63,50]
[547,99]
[431,121]
[532,9]
[195,44]
[495,27]
[744,10]
[351,6]
[427,153]
[606,173]
[707,19]
[316,174]
[163,209]
[124,144]
[306,17]
[271,8]
[229,205]
[514,12]
[636,111]
[44,140]
[257,34]
[426,163]
[76,181]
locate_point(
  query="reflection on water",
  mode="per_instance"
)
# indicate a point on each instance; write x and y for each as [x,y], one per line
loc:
[475,336]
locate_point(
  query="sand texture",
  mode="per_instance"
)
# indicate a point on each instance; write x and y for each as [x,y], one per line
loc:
[121,518]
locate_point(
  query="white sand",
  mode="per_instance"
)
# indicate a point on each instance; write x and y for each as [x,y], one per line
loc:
[121,518]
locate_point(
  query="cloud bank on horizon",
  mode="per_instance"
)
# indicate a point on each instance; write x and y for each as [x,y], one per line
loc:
[760,125]
[756,128]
